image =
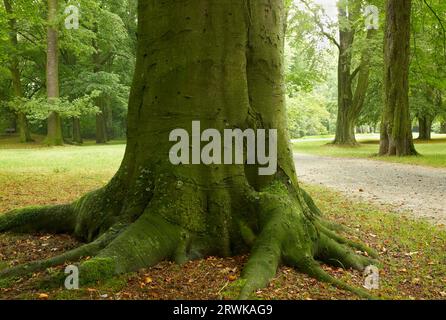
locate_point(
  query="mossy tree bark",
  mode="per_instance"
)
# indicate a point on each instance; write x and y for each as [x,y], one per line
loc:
[220,62]
[54,130]
[22,121]
[350,98]
[396,127]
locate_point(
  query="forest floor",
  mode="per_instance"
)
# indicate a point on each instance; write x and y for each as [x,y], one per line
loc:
[413,252]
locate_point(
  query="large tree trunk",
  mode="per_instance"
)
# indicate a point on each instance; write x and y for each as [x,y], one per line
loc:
[350,101]
[54,134]
[22,122]
[219,62]
[396,128]
[425,127]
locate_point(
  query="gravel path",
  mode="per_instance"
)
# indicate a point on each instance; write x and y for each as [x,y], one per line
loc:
[420,190]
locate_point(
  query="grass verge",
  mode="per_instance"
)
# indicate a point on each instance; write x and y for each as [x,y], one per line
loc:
[432,153]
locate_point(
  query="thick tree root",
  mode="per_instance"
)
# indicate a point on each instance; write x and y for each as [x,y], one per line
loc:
[144,243]
[355,245]
[289,229]
[313,269]
[51,219]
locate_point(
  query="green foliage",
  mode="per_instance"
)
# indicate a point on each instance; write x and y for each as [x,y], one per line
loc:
[307,62]
[428,66]
[97,57]
[38,108]
[307,115]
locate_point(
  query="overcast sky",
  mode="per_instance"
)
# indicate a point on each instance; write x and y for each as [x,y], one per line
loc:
[329,6]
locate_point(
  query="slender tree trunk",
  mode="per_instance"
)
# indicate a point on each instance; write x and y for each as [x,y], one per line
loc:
[220,63]
[425,127]
[14,122]
[350,101]
[440,105]
[101,119]
[54,135]
[396,128]
[345,126]
[22,122]
[77,135]
[109,119]
[101,126]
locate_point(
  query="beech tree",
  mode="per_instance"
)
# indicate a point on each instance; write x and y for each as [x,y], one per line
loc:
[54,135]
[396,127]
[219,62]
[350,97]
[353,81]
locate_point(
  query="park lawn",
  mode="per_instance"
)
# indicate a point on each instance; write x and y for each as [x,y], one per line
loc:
[432,153]
[412,252]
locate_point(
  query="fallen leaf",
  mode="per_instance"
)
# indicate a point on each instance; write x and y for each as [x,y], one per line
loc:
[148,280]
[43,296]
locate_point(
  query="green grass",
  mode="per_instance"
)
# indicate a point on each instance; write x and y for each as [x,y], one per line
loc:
[432,153]
[67,159]
[31,174]
[411,251]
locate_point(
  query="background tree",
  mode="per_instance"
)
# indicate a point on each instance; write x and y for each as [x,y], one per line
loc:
[54,135]
[104,50]
[427,71]
[396,128]
[350,98]
[22,121]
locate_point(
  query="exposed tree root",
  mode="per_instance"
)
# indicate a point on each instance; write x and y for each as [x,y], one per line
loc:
[313,269]
[54,219]
[287,231]
[90,249]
